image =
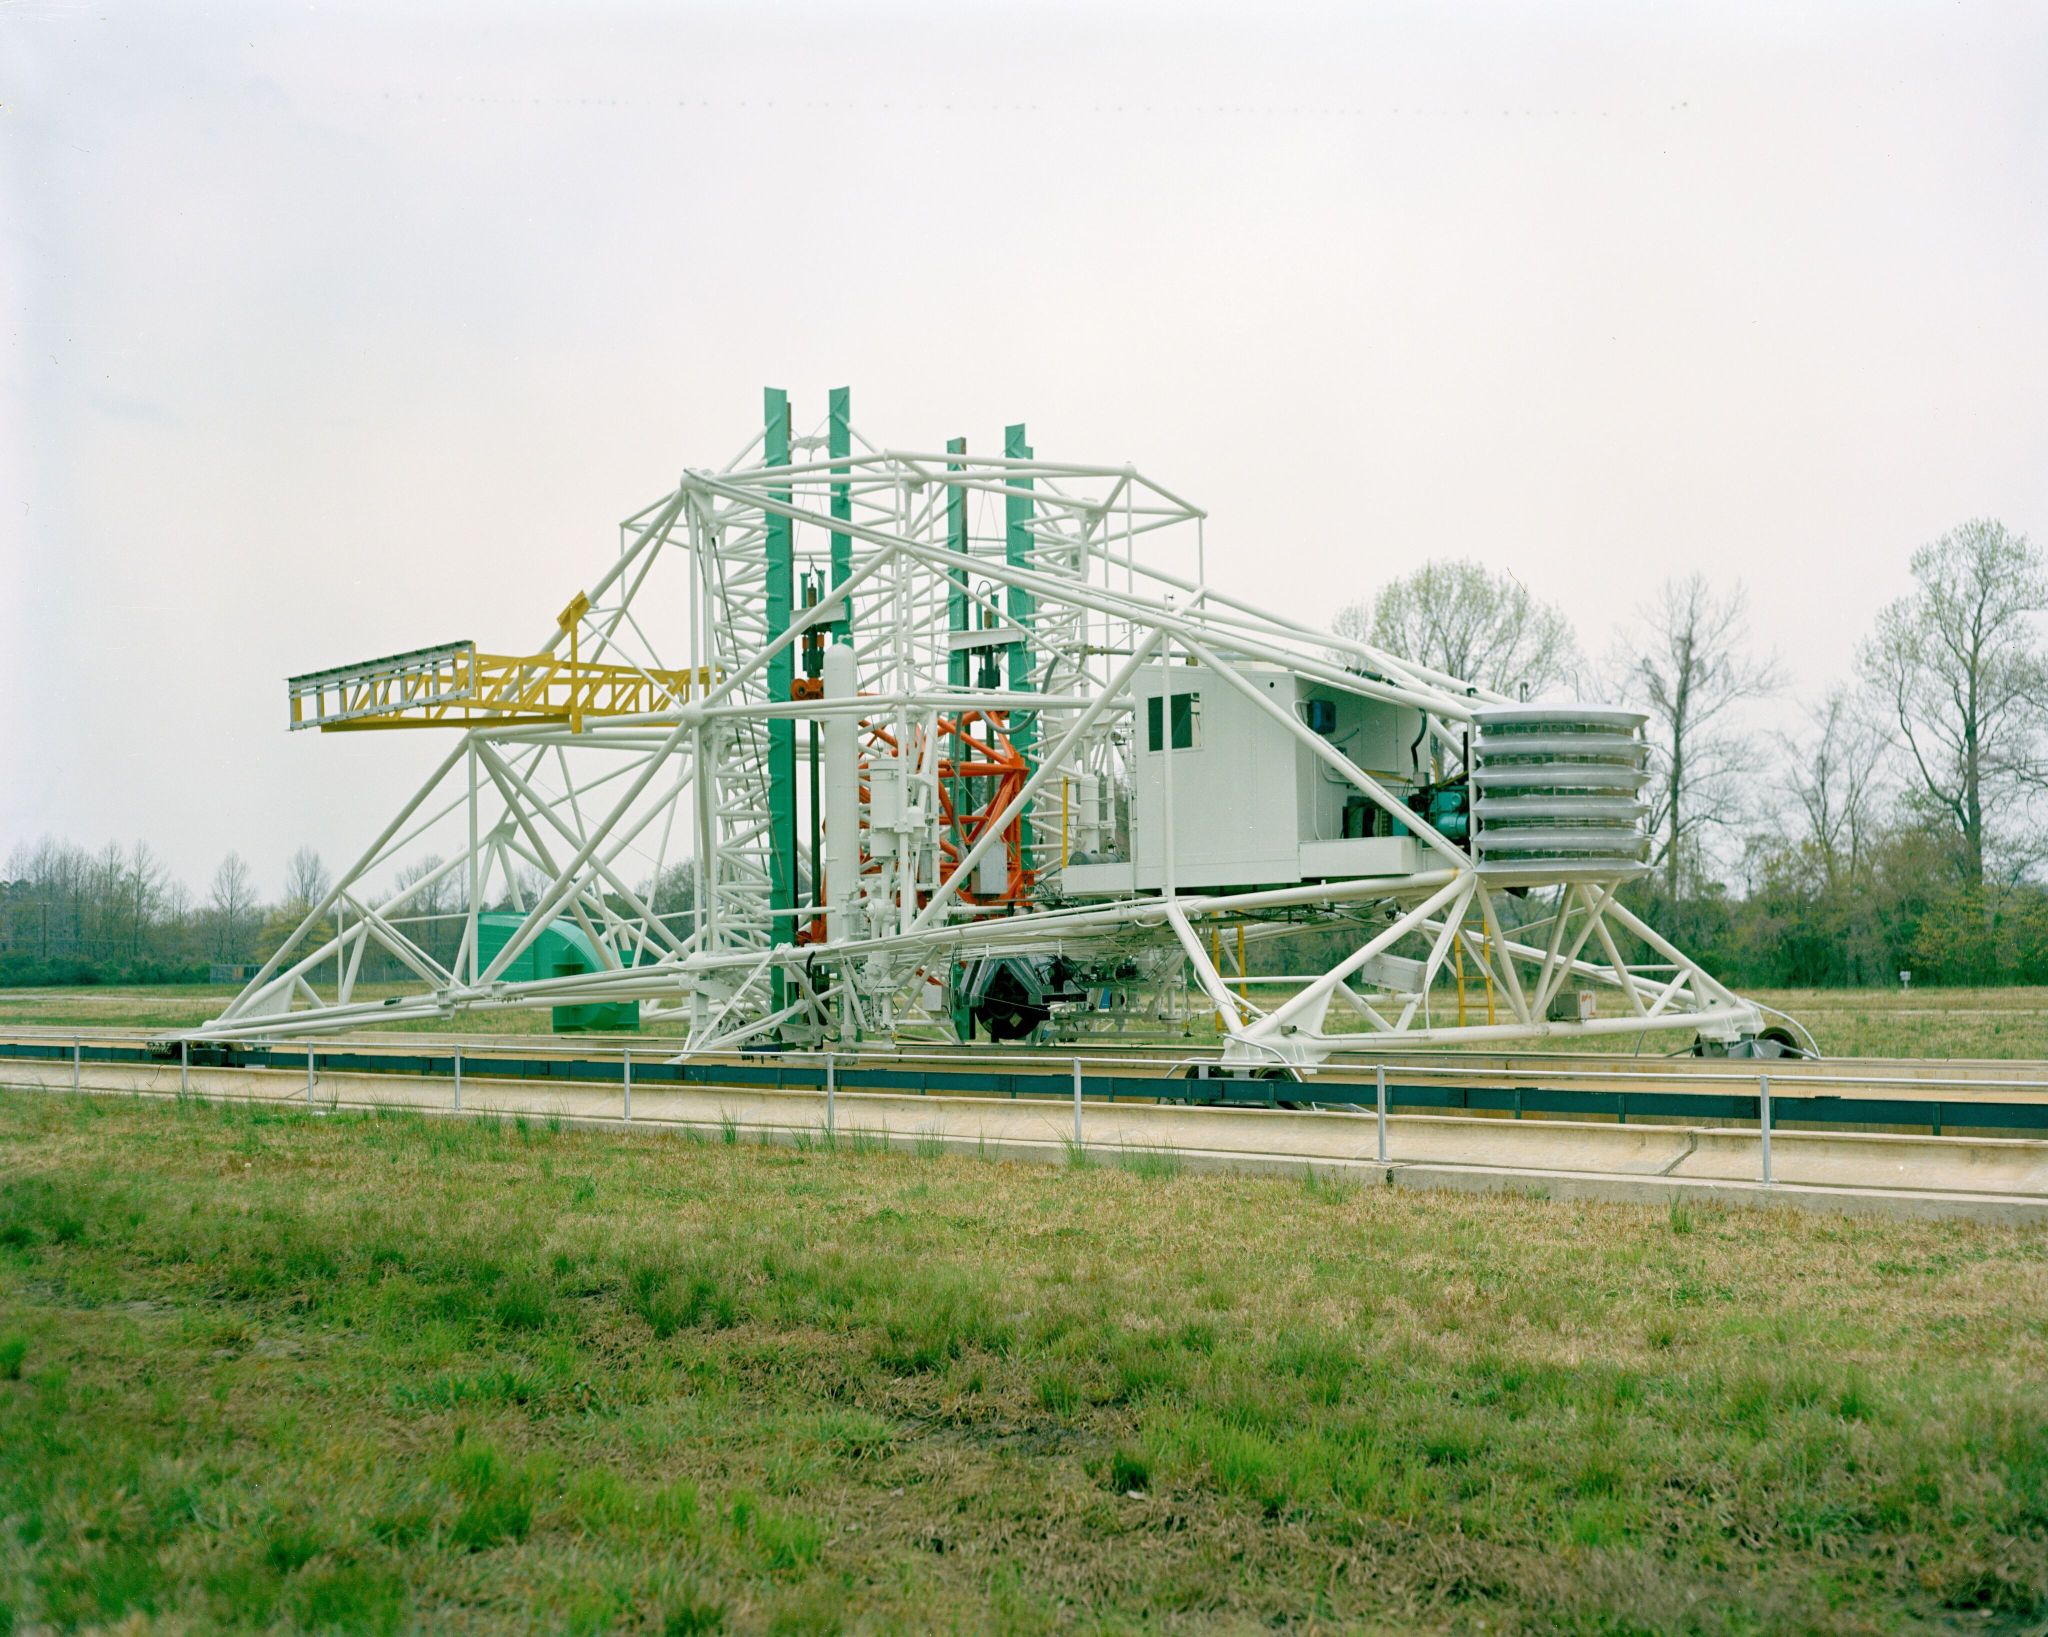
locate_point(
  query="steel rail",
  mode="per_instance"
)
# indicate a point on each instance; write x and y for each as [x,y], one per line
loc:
[1931,1101]
[1901,1073]
[1982,1177]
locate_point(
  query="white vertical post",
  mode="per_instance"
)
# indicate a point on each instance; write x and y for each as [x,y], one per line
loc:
[831,1090]
[309,1076]
[1077,1102]
[475,891]
[1171,856]
[184,1067]
[77,1058]
[1380,1084]
[842,795]
[626,1057]
[458,1079]
[1763,1086]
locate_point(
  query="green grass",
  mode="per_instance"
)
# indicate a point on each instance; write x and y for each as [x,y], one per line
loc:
[1940,1023]
[265,1369]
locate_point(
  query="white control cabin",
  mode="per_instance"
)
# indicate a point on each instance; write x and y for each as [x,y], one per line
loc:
[1252,805]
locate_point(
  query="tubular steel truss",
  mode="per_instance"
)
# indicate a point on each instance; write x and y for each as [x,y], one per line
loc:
[636,778]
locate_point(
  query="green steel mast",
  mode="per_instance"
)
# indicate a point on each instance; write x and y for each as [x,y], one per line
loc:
[1018,513]
[780,601]
[839,445]
[958,660]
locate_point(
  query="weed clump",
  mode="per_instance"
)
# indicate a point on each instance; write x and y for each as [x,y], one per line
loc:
[1157,1164]
[683,1294]
[35,1210]
[1058,1393]
[1129,1472]
[855,1435]
[496,1497]
[691,1613]
[525,1301]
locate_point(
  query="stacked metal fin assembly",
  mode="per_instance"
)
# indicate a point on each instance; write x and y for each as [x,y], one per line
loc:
[1559,787]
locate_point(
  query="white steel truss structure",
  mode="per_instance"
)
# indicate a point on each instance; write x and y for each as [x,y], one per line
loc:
[996,671]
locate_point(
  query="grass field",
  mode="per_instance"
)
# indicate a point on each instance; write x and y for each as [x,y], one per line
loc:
[1938,1023]
[1941,1023]
[262,1369]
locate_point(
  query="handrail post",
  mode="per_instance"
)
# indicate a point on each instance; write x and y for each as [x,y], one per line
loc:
[1077,1102]
[458,1079]
[309,1074]
[1380,1099]
[77,1060]
[626,1058]
[184,1068]
[1763,1085]
[831,1097]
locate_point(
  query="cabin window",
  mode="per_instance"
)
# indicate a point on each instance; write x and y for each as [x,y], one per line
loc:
[1187,721]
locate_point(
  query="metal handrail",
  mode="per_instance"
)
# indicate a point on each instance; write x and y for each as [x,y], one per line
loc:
[1793,1072]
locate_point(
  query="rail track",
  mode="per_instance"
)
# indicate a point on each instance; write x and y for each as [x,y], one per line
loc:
[1982,1097]
[1961,1140]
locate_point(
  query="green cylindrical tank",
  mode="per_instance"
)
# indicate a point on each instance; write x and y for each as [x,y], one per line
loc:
[561,951]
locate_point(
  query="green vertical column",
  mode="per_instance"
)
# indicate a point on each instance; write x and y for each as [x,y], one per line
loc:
[956,578]
[780,602]
[839,445]
[1018,510]
[959,661]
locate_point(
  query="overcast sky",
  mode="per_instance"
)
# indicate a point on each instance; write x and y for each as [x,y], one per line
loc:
[336,331]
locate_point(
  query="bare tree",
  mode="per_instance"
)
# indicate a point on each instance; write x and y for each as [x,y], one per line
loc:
[57,872]
[1460,617]
[106,900]
[435,897]
[142,889]
[1836,776]
[175,930]
[434,904]
[233,899]
[1686,667]
[306,881]
[49,869]
[1959,664]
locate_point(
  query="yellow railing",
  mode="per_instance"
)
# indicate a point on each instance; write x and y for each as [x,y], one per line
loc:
[455,686]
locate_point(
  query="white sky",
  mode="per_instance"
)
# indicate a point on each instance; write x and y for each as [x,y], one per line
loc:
[339,331]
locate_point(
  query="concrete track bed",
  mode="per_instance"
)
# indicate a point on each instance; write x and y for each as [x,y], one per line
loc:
[1983,1179]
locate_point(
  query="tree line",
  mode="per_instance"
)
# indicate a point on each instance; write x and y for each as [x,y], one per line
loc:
[72,915]
[1895,828]
[69,915]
